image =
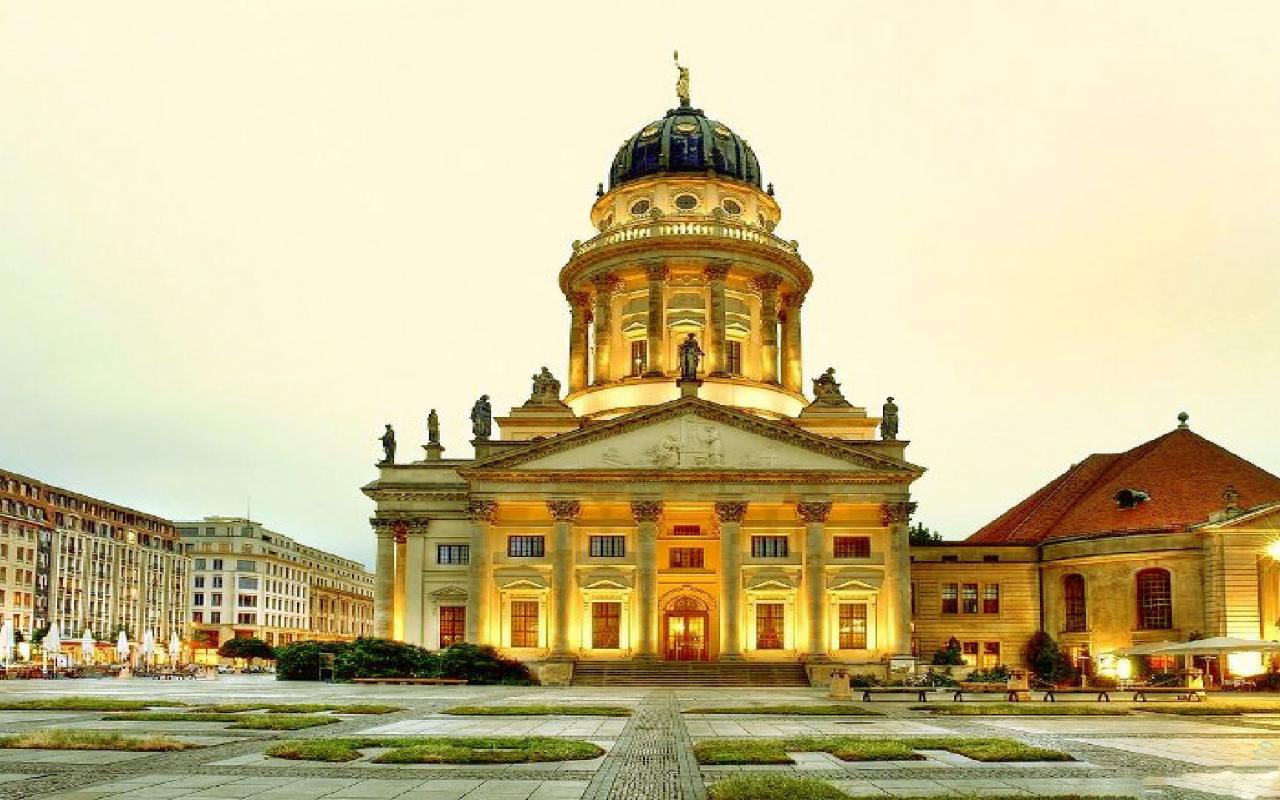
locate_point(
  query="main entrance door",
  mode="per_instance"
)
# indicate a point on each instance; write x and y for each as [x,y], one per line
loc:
[684,631]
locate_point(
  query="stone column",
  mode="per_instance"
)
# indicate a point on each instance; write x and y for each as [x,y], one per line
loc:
[415,625]
[646,514]
[579,316]
[768,286]
[397,618]
[896,516]
[605,286]
[655,330]
[715,340]
[384,579]
[792,367]
[730,515]
[483,513]
[565,513]
[815,515]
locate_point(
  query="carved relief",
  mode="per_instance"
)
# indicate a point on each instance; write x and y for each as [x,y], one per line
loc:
[698,444]
[564,510]
[646,510]
[483,510]
[813,511]
[731,511]
[896,513]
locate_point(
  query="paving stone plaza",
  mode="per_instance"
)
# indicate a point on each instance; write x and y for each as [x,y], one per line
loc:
[648,754]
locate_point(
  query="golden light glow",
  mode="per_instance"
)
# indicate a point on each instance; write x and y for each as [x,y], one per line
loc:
[1273,549]
[1244,664]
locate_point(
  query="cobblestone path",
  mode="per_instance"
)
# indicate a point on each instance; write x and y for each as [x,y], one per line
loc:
[653,758]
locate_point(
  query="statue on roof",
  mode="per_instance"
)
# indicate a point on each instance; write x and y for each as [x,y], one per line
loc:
[433,427]
[690,353]
[482,418]
[546,390]
[889,420]
[826,390]
[682,82]
[388,439]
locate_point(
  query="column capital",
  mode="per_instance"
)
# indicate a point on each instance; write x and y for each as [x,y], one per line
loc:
[579,300]
[767,282]
[646,510]
[564,510]
[791,302]
[896,513]
[717,270]
[606,283]
[731,510]
[813,511]
[483,510]
[656,270]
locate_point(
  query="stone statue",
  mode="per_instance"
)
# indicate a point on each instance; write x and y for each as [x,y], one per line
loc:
[889,420]
[482,418]
[546,390]
[433,428]
[690,353]
[682,82]
[826,390]
[388,439]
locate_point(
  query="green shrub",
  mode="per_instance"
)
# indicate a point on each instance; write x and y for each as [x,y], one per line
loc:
[949,655]
[930,677]
[384,658]
[997,674]
[300,661]
[860,681]
[367,657]
[247,648]
[482,664]
[1047,660]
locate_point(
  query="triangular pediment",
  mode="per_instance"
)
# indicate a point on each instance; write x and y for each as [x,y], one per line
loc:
[696,436]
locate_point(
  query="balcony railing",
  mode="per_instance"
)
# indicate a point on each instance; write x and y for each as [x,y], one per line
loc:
[687,226]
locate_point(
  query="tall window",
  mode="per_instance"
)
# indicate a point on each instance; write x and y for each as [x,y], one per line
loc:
[970,598]
[733,357]
[852,547]
[453,554]
[685,558]
[639,357]
[526,546]
[950,598]
[991,598]
[769,626]
[990,655]
[524,623]
[853,626]
[1155,600]
[453,625]
[607,546]
[768,547]
[1076,617]
[605,625]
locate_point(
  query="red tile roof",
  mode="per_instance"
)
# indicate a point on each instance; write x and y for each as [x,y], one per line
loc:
[1184,474]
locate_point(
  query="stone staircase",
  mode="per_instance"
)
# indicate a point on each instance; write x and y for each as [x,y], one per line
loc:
[688,673]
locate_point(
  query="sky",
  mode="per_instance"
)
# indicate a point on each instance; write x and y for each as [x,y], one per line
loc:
[238,237]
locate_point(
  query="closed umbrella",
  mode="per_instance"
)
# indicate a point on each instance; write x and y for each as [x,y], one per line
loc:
[122,646]
[175,644]
[6,641]
[86,646]
[148,645]
[52,643]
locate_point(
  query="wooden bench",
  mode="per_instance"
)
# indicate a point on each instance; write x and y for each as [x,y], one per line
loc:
[1011,695]
[1179,692]
[1051,693]
[415,681]
[919,691]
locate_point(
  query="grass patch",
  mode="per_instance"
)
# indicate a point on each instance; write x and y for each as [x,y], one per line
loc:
[771,787]
[440,750]
[248,722]
[1023,710]
[539,711]
[55,739]
[857,748]
[85,704]
[1212,709]
[828,710]
[300,708]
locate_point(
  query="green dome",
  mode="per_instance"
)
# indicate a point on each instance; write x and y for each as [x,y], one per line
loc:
[685,141]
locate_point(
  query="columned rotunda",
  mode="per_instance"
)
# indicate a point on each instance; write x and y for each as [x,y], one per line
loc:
[652,510]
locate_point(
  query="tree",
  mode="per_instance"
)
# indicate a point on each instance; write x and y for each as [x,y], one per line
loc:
[920,534]
[248,648]
[950,654]
[1047,660]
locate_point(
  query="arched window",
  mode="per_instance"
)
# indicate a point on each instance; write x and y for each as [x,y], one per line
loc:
[1155,599]
[1076,615]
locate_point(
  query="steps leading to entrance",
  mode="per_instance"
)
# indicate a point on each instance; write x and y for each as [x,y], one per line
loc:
[688,673]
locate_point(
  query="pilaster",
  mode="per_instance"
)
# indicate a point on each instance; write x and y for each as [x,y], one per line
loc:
[384,577]
[483,513]
[896,516]
[815,516]
[646,514]
[565,513]
[730,514]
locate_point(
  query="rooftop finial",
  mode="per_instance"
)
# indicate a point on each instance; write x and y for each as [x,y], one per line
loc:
[682,82]
[1182,420]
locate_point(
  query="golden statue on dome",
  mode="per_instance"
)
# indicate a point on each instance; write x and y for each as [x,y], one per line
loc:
[682,82]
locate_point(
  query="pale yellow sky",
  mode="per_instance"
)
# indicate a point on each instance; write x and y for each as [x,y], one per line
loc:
[237,237]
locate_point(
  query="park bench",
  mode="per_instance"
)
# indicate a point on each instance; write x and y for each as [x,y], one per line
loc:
[1012,695]
[1051,693]
[920,692]
[415,681]
[1178,692]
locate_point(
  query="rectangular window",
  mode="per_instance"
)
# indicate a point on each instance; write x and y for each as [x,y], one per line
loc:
[453,625]
[991,598]
[769,633]
[607,546]
[990,655]
[215,617]
[852,546]
[685,558]
[686,530]
[526,546]
[639,357]
[970,651]
[217,581]
[733,357]
[197,617]
[768,547]
[247,600]
[247,583]
[606,621]
[197,599]
[199,563]
[217,563]
[453,553]
[970,598]
[853,626]
[215,599]
[950,598]
[199,581]
[248,618]
[524,621]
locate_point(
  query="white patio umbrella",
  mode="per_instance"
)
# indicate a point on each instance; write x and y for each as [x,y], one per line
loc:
[122,646]
[52,643]
[1220,645]
[86,646]
[148,645]
[1143,649]
[6,641]
[175,644]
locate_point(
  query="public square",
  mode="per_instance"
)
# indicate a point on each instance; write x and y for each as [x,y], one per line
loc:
[648,754]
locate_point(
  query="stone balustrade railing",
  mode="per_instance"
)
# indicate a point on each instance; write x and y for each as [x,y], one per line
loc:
[703,226]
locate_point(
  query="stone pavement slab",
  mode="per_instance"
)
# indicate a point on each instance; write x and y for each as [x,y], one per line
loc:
[701,726]
[1201,751]
[1113,726]
[575,727]
[1227,783]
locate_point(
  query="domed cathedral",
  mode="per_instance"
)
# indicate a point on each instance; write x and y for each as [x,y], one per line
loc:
[681,499]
